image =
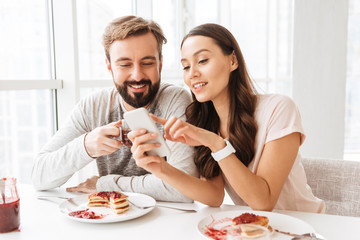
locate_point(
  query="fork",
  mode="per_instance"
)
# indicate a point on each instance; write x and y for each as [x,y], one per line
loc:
[140,207]
[305,236]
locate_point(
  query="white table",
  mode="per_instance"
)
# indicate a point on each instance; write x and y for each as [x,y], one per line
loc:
[42,220]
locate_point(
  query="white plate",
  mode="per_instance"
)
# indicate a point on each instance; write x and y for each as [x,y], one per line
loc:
[276,221]
[109,216]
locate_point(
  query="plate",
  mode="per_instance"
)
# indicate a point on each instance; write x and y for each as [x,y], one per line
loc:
[276,221]
[80,203]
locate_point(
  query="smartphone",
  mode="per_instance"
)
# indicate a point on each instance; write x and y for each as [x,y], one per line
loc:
[139,118]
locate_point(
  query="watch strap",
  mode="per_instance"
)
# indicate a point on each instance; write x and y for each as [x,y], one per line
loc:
[223,153]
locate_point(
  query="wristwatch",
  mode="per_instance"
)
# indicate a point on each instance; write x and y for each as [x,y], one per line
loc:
[223,153]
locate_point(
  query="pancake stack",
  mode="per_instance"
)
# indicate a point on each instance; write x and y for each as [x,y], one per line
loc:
[253,219]
[110,199]
[250,218]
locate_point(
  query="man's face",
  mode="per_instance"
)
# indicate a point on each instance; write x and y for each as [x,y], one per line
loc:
[136,67]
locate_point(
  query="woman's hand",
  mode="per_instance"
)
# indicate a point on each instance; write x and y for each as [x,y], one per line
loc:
[177,130]
[150,163]
[89,186]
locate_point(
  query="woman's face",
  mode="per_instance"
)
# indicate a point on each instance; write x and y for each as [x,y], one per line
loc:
[206,68]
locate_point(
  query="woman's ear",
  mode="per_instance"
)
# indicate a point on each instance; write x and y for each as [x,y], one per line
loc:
[234,61]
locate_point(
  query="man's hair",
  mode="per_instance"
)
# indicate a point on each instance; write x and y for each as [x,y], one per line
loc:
[123,27]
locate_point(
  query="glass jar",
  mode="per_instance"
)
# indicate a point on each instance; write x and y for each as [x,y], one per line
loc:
[9,205]
[124,130]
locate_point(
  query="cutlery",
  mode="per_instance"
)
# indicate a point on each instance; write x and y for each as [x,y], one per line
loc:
[70,200]
[305,236]
[180,209]
[43,197]
[176,208]
[140,207]
[2,190]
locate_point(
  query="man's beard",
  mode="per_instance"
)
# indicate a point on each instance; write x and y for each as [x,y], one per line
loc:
[139,99]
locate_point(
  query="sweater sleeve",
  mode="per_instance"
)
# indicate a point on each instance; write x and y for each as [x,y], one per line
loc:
[63,155]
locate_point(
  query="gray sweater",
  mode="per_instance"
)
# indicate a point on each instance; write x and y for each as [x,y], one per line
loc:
[65,153]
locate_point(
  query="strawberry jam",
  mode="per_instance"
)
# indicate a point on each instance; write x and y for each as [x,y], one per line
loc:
[245,218]
[124,138]
[109,194]
[87,214]
[9,205]
[9,216]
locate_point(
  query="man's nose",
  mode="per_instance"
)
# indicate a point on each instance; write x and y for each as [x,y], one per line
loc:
[137,73]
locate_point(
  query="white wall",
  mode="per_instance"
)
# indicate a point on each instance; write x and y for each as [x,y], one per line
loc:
[319,74]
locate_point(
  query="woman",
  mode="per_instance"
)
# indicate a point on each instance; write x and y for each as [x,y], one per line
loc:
[245,141]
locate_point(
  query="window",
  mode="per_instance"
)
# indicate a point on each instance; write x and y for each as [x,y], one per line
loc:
[263,30]
[26,116]
[92,18]
[167,15]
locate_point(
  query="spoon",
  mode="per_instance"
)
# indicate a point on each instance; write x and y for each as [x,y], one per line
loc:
[2,189]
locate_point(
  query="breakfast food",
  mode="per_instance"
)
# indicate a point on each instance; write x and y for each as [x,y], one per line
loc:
[246,222]
[111,199]
[250,218]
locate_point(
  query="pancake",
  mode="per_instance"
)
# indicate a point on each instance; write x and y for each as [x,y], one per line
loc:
[110,199]
[250,218]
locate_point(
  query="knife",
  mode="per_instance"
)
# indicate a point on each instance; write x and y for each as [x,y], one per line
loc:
[69,199]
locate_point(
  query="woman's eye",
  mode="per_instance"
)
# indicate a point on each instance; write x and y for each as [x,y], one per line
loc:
[203,61]
[186,68]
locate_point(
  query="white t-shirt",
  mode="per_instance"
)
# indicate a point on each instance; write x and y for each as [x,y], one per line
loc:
[277,116]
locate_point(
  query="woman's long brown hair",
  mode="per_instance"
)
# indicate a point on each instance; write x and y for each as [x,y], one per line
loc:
[242,126]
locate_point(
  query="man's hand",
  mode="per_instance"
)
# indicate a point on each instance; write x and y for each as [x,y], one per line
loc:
[99,143]
[89,186]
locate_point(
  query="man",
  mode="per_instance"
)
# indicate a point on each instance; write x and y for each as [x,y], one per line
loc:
[133,48]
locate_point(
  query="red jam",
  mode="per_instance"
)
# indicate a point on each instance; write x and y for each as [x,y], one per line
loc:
[245,218]
[85,214]
[9,216]
[124,138]
[109,194]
